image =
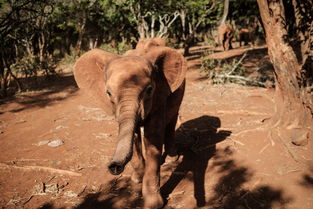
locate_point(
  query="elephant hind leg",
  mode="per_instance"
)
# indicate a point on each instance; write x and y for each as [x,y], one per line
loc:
[224,41]
[170,142]
[173,105]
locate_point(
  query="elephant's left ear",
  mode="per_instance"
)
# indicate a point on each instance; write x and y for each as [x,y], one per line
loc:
[172,63]
[89,73]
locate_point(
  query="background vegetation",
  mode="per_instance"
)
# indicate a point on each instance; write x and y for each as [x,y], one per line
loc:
[35,35]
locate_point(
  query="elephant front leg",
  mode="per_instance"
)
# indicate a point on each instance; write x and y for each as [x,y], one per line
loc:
[151,180]
[137,162]
[154,129]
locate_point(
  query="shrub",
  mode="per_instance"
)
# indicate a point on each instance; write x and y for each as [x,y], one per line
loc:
[121,47]
[222,72]
[68,60]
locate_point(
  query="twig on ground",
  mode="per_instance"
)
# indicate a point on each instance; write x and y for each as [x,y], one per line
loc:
[236,65]
[30,197]
[246,112]
[241,78]
[51,179]
[81,192]
[45,134]
[236,141]
[41,168]
[287,148]
[244,131]
[264,148]
[265,119]
[271,138]
[248,92]
[263,96]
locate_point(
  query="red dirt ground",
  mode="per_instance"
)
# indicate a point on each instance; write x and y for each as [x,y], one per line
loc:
[230,156]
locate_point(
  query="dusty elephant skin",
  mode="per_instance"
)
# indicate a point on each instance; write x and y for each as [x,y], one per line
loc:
[226,35]
[145,45]
[142,88]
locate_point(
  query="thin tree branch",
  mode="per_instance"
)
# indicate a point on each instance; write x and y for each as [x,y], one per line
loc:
[236,65]
[40,168]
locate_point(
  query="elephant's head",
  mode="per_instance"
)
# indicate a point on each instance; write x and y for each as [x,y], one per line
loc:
[145,45]
[128,85]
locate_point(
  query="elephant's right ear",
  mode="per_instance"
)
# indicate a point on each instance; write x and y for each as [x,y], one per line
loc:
[89,73]
[171,63]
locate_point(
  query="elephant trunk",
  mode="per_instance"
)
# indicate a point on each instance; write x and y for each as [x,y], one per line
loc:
[127,120]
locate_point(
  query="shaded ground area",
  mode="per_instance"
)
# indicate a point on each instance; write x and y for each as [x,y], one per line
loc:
[55,145]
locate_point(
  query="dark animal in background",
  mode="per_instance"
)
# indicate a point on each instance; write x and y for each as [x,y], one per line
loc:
[246,36]
[226,35]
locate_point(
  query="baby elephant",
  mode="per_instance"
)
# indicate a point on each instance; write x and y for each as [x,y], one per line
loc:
[143,88]
[246,35]
[226,35]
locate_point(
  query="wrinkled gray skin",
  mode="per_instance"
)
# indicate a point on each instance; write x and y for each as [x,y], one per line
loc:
[144,88]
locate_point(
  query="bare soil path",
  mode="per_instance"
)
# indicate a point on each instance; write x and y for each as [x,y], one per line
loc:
[55,145]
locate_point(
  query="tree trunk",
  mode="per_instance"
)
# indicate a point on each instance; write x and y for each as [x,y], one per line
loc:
[141,28]
[165,23]
[188,43]
[41,46]
[3,75]
[153,26]
[293,63]
[81,32]
[225,12]
[18,83]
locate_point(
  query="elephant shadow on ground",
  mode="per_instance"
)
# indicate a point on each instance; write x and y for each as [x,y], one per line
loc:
[196,141]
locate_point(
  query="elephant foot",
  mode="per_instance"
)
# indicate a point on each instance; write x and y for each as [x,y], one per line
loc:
[153,202]
[169,156]
[166,159]
[172,152]
[171,159]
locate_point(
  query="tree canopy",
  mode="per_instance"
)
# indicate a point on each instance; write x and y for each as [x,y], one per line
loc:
[35,34]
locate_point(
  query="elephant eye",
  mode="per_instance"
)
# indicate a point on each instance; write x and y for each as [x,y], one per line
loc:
[149,90]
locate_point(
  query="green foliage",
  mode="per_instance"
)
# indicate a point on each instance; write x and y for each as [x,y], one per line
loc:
[209,65]
[26,66]
[121,47]
[243,11]
[29,66]
[69,59]
[35,34]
